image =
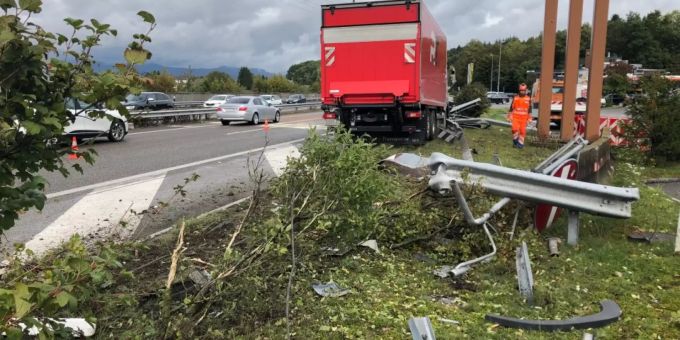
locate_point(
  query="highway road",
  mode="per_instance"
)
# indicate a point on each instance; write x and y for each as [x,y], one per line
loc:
[121,195]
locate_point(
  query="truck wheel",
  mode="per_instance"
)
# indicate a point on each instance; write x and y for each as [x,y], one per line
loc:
[431,125]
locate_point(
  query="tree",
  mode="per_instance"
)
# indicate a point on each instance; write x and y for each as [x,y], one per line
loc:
[656,119]
[245,78]
[161,82]
[39,70]
[305,73]
[279,84]
[219,82]
[260,85]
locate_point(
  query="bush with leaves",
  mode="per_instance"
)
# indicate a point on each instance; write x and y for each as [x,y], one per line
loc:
[472,92]
[39,71]
[655,119]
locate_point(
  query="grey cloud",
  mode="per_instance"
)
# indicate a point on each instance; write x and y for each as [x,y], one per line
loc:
[273,34]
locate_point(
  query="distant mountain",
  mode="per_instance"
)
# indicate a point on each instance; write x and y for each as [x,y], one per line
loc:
[182,71]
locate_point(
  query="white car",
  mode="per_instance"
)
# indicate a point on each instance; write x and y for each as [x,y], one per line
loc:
[217,100]
[113,125]
[272,99]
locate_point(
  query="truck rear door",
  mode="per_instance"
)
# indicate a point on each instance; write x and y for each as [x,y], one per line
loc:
[369,54]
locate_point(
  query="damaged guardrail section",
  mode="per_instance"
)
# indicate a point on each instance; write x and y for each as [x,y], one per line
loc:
[533,187]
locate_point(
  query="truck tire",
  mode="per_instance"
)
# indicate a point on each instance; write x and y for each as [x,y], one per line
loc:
[431,125]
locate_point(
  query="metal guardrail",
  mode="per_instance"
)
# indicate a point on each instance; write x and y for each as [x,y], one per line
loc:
[527,186]
[206,111]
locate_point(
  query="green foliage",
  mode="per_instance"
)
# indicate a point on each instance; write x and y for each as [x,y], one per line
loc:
[39,70]
[305,73]
[245,78]
[161,82]
[656,119]
[275,84]
[219,82]
[54,285]
[472,92]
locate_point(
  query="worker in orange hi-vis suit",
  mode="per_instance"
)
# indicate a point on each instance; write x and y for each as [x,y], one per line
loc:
[520,116]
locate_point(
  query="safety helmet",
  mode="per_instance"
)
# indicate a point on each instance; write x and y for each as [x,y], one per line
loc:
[522,87]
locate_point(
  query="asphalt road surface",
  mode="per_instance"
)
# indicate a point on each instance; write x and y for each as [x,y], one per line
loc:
[122,194]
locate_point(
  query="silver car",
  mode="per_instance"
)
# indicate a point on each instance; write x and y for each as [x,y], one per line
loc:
[247,109]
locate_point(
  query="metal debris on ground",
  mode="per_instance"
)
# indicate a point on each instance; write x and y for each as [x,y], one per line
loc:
[443,271]
[650,237]
[421,328]
[525,277]
[407,164]
[610,313]
[450,132]
[588,336]
[79,327]
[449,321]
[372,244]
[553,246]
[330,289]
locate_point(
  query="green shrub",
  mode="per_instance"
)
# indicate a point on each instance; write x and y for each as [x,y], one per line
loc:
[656,119]
[472,92]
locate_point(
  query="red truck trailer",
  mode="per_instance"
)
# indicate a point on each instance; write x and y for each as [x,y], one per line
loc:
[383,69]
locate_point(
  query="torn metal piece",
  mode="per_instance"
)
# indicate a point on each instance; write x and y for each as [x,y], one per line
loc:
[588,336]
[554,246]
[610,312]
[650,237]
[525,277]
[79,327]
[443,271]
[329,251]
[421,328]
[330,289]
[407,164]
[373,244]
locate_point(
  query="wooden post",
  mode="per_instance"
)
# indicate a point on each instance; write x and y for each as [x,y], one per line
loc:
[571,68]
[597,50]
[547,68]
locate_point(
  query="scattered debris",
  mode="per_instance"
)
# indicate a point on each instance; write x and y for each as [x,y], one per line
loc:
[329,251]
[421,328]
[525,277]
[588,336]
[449,321]
[650,237]
[330,289]
[610,312]
[373,244]
[200,277]
[79,327]
[443,271]
[553,246]
[407,164]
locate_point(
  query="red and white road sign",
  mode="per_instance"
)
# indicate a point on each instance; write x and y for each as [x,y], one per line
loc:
[544,214]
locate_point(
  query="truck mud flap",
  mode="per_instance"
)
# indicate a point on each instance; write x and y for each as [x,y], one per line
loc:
[610,312]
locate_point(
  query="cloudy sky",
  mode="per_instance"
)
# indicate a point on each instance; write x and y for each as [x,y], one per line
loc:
[273,34]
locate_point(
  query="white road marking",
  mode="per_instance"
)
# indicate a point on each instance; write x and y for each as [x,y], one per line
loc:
[160,172]
[278,158]
[105,212]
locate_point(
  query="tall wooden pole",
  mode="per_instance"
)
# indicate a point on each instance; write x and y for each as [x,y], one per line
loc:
[597,51]
[571,68]
[547,68]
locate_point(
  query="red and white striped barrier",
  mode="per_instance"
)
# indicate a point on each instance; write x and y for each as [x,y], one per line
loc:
[615,126]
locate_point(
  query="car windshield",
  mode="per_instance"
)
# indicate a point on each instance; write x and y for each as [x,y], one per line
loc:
[133,98]
[71,104]
[218,98]
[558,90]
[239,100]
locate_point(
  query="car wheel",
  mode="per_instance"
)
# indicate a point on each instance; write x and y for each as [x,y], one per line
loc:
[277,117]
[117,131]
[255,120]
[225,122]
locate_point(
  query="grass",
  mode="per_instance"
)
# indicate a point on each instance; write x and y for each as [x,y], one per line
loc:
[495,113]
[389,288]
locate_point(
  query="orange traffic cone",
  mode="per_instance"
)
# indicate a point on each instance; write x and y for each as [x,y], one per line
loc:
[266,125]
[74,148]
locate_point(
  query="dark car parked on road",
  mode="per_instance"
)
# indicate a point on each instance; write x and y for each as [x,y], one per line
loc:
[296,99]
[149,100]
